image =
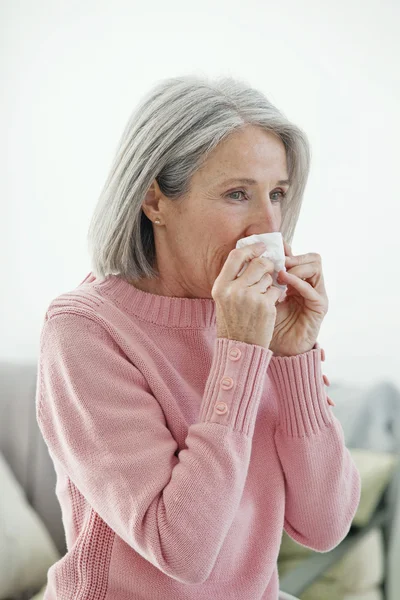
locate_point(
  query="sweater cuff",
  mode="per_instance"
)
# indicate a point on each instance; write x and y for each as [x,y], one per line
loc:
[235,384]
[302,399]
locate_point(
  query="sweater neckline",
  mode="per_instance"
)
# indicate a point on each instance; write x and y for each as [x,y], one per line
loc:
[168,311]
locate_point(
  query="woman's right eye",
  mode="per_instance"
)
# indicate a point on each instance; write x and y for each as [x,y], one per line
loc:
[236,192]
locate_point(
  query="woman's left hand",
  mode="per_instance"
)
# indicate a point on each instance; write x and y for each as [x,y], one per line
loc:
[299,316]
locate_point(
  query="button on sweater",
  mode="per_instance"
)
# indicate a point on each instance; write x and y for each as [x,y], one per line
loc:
[181,457]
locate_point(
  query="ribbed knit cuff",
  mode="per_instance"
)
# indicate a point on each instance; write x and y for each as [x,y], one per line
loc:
[302,399]
[235,384]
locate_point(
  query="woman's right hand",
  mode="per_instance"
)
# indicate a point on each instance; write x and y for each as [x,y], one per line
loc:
[245,305]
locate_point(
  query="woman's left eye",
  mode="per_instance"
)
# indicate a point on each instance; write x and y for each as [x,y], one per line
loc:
[280,192]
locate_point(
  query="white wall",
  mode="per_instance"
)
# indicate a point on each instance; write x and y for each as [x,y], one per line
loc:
[72,73]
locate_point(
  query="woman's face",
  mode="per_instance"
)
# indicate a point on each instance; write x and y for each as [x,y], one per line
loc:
[198,232]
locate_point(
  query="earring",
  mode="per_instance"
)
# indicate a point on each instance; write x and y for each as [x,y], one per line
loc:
[157,221]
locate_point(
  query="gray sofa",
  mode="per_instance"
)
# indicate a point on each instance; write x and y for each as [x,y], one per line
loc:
[23,446]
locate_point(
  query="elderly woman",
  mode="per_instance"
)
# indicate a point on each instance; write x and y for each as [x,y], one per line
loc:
[183,406]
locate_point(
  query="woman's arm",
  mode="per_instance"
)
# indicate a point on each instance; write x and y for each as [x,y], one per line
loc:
[323,485]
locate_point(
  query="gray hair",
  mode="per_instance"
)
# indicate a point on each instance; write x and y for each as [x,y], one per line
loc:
[167,138]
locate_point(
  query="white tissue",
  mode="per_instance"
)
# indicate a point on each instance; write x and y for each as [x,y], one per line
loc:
[275,251]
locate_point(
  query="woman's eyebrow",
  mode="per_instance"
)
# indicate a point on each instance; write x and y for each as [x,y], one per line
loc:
[253,181]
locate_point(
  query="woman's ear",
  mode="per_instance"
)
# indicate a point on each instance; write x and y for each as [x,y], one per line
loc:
[150,203]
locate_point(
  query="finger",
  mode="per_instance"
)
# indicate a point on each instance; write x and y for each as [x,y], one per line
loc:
[273,293]
[302,259]
[304,271]
[236,260]
[305,258]
[305,289]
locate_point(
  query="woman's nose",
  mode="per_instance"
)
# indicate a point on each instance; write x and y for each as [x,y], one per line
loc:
[268,221]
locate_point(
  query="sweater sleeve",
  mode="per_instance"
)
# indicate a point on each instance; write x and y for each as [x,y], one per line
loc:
[323,485]
[103,425]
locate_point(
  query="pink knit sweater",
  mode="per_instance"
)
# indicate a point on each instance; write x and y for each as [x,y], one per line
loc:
[181,457]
